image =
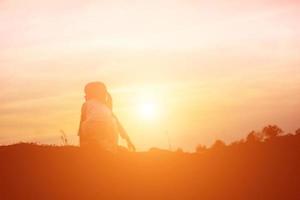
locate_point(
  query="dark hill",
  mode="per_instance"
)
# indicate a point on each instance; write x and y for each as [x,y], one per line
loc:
[249,170]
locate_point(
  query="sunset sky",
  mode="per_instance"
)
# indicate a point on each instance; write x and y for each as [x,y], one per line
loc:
[211,69]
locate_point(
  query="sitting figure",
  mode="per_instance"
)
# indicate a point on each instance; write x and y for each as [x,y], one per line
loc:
[98,125]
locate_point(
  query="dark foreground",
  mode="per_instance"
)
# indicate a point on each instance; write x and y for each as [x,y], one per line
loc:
[269,170]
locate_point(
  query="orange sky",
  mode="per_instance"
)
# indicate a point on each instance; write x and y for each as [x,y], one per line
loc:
[216,69]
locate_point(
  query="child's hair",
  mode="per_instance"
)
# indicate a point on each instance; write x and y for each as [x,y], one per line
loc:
[96,90]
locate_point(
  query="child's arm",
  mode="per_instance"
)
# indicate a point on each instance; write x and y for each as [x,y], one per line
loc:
[82,118]
[122,131]
[124,134]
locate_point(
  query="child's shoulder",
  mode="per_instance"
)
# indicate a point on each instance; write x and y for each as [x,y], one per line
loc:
[97,106]
[93,102]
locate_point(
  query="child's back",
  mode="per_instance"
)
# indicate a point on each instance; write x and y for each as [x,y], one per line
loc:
[97,111]
[97,125]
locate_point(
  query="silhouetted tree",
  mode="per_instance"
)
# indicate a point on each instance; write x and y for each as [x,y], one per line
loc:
[253,136]
[237,143]
[201,148]
[272,131]
[297,132]
[218,144]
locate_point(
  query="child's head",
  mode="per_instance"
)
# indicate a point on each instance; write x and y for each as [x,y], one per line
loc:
[96,90]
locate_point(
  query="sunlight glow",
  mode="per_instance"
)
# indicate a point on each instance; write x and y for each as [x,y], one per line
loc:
[148,110]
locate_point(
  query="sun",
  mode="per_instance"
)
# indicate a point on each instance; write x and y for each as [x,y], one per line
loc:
[148,110]
[149,105]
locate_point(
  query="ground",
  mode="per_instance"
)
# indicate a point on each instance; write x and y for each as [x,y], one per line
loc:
[268,170]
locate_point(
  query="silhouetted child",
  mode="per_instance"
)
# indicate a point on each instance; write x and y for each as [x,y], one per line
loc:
[98,125]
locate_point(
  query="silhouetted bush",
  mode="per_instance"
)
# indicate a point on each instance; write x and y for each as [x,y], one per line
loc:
[272,131]
[201,148]
[254,136]
[219,144]
[297,132]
